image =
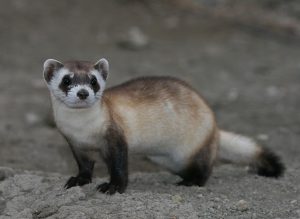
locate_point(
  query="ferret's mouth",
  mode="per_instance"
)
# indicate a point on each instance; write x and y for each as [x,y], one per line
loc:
[80,104]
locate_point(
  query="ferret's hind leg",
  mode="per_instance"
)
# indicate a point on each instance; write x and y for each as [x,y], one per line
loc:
[196,173]
[200,166]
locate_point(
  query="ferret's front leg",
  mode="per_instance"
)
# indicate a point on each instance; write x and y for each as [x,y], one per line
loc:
[85,167]
[115,156]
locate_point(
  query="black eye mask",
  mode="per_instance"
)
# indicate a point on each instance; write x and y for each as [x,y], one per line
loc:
[94,84]
[79,79]
[65,84]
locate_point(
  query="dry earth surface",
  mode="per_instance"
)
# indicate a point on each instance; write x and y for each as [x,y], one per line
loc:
[249,74]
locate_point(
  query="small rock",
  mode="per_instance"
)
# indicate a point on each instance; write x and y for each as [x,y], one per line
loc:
[273,91]
[217,199]
[293,202]
[46,211]
[200,196]
[233,95]
[177,198]
[242,205]
[135,40]
[32,118]
[298,212]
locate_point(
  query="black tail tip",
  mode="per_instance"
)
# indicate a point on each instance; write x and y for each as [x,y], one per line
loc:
[269,164]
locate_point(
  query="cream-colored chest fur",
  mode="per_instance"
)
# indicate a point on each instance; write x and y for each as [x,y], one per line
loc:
[83,127]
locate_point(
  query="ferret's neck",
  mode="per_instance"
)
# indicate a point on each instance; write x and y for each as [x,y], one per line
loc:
[98,111]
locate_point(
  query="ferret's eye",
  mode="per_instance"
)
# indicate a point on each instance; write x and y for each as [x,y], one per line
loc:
[94,81]
[66,80]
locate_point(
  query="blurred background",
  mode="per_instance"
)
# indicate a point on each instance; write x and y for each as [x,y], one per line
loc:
[242,56]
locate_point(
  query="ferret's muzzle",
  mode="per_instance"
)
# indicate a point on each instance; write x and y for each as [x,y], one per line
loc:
[82,94]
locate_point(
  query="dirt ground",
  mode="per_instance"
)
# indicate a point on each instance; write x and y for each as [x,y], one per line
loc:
[250,75]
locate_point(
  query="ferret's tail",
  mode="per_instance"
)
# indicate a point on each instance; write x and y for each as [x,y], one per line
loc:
[239,149]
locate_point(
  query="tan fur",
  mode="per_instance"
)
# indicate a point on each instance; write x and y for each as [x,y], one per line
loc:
[163,117]
[211,145]
[79,67]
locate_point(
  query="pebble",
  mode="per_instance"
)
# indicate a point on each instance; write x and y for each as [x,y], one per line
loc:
[273,91]
[135,39]
[32,118]
[217,199]
[242,205]
[293,202]
[177,198]
[233,95]
[200,196]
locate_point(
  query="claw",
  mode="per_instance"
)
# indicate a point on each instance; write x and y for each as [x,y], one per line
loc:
[72,181]
[77,181]
[110,188]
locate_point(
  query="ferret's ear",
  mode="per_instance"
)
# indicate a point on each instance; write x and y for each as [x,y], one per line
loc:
[50,67]
[103,67]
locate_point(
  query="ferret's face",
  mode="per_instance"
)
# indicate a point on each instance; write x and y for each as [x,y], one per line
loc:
[77,84]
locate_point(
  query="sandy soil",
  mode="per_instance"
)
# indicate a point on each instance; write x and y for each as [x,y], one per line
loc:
[250,78]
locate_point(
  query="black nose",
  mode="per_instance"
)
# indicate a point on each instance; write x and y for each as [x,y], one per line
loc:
[82,94]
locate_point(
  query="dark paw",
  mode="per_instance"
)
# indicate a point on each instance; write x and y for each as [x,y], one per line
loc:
[110,188]
[77,181]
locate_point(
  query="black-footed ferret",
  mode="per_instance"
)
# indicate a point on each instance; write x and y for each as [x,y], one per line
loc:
[161,117]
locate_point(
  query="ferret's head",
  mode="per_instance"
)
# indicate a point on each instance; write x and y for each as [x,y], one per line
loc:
[77,84]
